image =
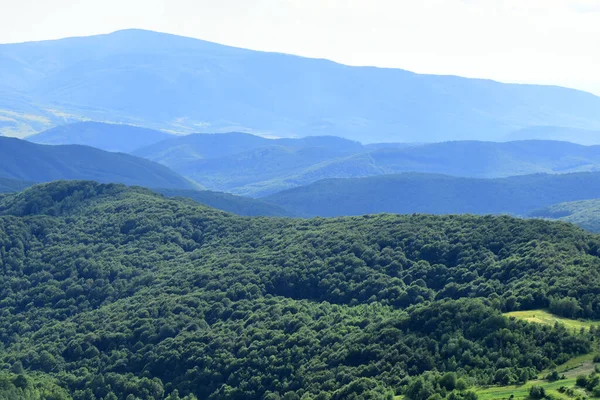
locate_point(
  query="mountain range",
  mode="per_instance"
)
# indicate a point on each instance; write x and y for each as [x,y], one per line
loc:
[185,85]
[255,166]
[436,194]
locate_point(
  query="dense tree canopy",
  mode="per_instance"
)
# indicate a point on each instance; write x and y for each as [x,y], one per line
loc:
[120,293]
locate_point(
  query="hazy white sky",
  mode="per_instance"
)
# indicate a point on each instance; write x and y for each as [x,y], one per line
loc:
[533,41]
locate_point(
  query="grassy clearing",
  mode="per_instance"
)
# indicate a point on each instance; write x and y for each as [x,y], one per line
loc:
[544,317]
[582,365]
[577,366]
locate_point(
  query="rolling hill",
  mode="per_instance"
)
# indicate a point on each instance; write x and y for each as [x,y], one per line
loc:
[179,84]
[22,160]
[436,194]
[109,137]
[584,213]
[238,205]
[114,293]
[254,166]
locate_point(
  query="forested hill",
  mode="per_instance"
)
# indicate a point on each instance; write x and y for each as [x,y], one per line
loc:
[22,160]
[437,194]
[113,292]
[584,213]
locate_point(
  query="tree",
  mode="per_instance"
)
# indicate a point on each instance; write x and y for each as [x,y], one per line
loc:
[537,392]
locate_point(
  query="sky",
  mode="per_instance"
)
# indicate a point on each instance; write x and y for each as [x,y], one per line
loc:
[524,41]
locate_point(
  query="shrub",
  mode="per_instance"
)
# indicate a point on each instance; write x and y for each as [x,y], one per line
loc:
[537,392]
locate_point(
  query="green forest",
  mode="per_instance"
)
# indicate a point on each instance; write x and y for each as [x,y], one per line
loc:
[109,292]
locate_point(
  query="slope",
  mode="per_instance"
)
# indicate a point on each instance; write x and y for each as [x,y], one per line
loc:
[115,292]
[239,205]
[11,185]
[185,85]
[109,137]
[22,160]
[436,194]
[584,213]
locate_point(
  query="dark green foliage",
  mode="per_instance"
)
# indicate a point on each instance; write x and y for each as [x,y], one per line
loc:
[581,381]
[109,137]
[30,387]
[436,194]
[537,392]
[22,160]
[553,376]
[118,292]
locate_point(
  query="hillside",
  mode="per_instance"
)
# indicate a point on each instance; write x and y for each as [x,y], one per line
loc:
[239,205]
[255,166]
[584,213]
[120,293]
[109,137]
[22,160]
[11,185]
[436,194]
[179,84]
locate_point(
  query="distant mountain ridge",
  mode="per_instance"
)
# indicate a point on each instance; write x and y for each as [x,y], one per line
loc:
[109,137]
[179,84]
[436,194]
[22,160]
[255,166]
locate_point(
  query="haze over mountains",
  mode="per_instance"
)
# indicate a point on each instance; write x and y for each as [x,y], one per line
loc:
[109,137]
[22,160]
[436,194]
[186,85]
[256,166]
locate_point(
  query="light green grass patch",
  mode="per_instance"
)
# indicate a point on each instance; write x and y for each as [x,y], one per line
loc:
[582,365]
[546,318]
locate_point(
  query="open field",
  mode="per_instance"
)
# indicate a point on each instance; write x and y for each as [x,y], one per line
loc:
[544,317]
[577,366]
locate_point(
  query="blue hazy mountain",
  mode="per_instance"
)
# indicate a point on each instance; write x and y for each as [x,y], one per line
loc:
[255,166]
[12,185]
[181,84]
[436,194]
[109,137]
[24,161]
